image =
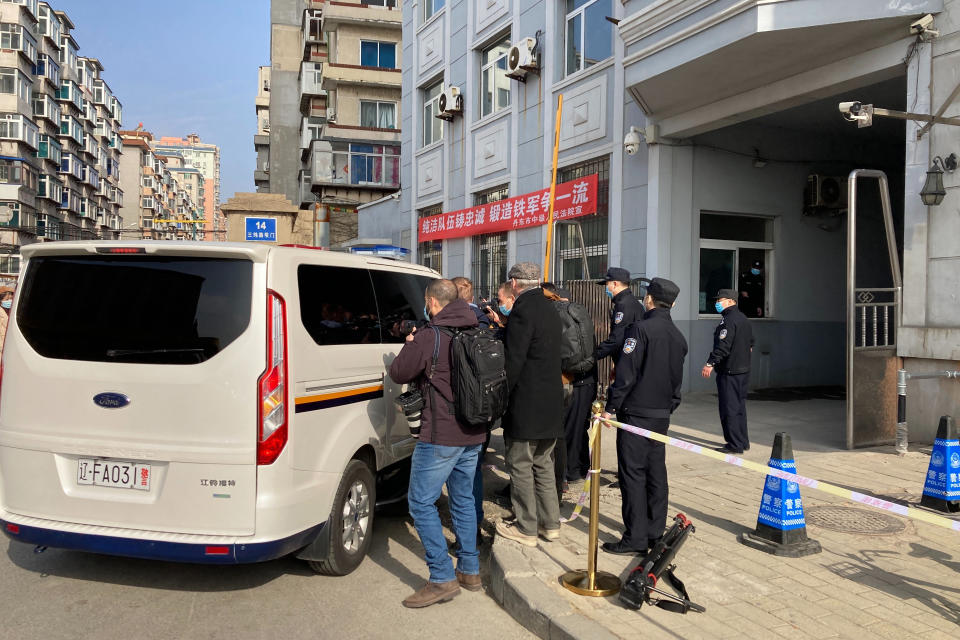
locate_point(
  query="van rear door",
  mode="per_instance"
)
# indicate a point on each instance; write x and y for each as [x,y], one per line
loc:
[129,390]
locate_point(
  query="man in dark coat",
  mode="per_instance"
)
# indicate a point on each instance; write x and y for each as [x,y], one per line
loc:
[446,452]
[646,391]
[534,418]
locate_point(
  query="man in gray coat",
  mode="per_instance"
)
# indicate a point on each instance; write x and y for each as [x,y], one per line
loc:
[534,418]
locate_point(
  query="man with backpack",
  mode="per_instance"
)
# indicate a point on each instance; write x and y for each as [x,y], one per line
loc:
[448,445]
[533,420]
[579,369]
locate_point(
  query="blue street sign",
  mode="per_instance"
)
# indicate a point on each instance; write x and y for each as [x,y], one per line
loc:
[261,229]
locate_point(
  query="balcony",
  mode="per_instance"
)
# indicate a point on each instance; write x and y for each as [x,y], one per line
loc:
[351,74]
[336,14]
[311,81]
[681,58]
[350,133]
[359,165]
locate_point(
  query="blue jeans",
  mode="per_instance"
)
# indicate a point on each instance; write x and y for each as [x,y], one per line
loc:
[433,465]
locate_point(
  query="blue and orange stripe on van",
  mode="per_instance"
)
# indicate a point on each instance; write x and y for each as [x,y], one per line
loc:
[338,398]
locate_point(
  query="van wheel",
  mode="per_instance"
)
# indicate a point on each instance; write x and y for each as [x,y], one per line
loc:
[349,529]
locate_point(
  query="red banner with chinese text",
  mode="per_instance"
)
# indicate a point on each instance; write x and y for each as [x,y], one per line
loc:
[575,198]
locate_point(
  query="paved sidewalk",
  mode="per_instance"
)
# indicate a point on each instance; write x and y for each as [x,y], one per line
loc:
[902,579]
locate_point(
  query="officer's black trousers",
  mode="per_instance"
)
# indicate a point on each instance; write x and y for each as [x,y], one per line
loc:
[642,473]
[732,389]
[576,421]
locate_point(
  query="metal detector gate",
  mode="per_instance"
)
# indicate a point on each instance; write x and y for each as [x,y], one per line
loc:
[873,320]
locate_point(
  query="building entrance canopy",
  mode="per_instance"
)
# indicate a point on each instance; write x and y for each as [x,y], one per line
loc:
[695,66]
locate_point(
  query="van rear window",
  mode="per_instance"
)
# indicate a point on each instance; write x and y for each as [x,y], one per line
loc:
[136,309]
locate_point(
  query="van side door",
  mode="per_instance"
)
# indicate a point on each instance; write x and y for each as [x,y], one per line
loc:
[400,298]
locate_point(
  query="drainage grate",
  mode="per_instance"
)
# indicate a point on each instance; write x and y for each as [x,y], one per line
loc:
[852,520]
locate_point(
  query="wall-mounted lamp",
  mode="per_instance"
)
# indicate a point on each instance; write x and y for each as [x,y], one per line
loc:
[933,192]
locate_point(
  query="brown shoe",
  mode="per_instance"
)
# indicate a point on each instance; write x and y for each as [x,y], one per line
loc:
[470,582]
[510,531]
[432,593]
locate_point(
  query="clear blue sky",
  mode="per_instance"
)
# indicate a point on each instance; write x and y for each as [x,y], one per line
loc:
[183,66]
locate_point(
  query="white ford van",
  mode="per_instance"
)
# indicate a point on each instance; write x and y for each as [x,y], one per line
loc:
[204,402]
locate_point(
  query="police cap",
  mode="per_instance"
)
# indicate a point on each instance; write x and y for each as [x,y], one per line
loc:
[663,290]
[729,294]
[615,274]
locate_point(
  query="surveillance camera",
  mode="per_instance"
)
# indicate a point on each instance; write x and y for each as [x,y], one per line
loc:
[922,25]
[850,108]
[631,141]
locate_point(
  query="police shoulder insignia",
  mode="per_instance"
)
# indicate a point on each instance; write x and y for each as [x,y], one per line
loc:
[629,345]
[723,333]
[617,318]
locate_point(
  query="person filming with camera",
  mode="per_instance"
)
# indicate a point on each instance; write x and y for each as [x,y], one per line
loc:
[446,451]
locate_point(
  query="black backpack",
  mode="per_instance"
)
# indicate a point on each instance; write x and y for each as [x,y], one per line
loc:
[577,339]
[478,376]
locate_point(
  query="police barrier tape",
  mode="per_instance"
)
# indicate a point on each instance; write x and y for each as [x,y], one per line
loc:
[870,501]
[585,492]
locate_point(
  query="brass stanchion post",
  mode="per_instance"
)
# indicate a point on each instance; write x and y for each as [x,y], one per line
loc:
[592,582]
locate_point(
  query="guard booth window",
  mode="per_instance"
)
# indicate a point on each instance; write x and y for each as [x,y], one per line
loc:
[430,253]
[489,266]
[595,227]
[736,252]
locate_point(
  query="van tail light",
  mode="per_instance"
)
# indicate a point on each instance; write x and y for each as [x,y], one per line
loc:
[273,407]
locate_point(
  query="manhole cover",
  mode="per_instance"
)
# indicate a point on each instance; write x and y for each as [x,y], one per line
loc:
[851,520]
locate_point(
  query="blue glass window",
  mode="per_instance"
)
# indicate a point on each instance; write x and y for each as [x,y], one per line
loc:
[378,54]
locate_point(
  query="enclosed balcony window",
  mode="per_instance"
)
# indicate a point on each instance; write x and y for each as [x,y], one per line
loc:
[381,3]
[13,81]
[47,68]
[48,23]
[13,36]
[14,126]
[314,30]
[371,164]
[49,149]
[374,53]
[589,36]
[432,126]
[381,115]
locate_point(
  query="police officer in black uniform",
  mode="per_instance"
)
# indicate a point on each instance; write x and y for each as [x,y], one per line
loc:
[645,392]
[732,346]
[626,310]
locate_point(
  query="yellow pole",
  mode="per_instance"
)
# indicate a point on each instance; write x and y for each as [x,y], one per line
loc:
[553,190]
[593,582]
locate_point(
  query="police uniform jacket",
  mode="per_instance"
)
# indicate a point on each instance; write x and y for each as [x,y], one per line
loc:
[650,370]
[732,342]
[626,310]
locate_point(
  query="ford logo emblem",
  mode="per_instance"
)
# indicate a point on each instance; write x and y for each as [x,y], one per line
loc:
[111,400]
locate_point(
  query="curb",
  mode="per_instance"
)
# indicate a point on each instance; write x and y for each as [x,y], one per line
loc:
[515,585]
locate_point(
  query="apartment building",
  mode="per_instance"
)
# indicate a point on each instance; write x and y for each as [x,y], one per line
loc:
[334,106]
[261,139]
[171,191]
[205,157]
[58,120]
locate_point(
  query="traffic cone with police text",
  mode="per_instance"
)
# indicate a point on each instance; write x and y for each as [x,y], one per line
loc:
[781,527]
[941,491]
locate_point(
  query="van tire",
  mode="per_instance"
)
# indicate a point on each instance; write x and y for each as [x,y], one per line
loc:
[357,482]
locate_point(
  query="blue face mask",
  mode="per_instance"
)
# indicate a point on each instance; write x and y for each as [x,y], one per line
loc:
[718,307]
[6,304]
[755,271]
[609,293]
[426,314]
[504,310]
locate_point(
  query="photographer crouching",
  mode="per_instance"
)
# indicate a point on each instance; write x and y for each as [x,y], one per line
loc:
[446,452]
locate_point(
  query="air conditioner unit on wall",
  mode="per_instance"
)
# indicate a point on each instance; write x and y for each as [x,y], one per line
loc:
[450,103]
[522,59]
[825,192]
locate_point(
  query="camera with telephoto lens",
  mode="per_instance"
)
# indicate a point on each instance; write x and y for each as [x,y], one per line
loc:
[411,403]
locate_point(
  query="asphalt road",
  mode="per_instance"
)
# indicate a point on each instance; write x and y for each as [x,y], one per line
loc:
[63,594]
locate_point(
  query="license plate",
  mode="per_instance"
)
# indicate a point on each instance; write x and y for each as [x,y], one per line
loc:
[113,473]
